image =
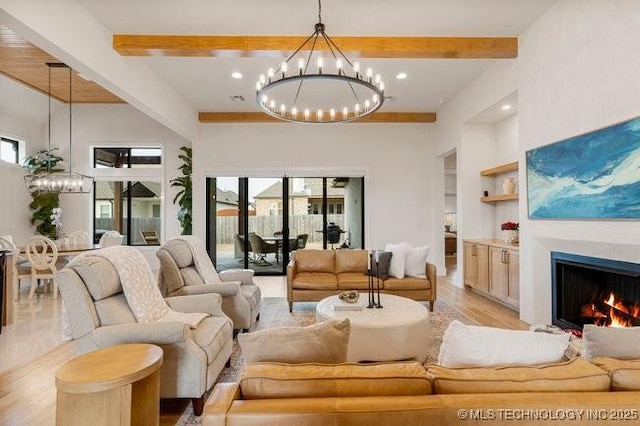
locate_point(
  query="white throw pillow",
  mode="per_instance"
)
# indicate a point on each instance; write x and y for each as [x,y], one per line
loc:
[613,342]
[415,261]
[468,345]
[398,254]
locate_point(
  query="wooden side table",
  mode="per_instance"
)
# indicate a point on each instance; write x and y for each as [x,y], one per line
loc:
[117,385]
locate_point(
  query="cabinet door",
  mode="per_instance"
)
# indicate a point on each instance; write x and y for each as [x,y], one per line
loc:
[470,264]
[513,289]
[498,272]
[482,254]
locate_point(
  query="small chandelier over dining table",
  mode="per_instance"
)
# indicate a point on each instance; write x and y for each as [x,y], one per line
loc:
[52,179]
[308,88]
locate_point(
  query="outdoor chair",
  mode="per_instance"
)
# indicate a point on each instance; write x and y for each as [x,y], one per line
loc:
[301,241]
[261,248]
[150,237]
[239,241]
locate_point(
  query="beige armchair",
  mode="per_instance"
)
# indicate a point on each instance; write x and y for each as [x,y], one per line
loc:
[100,316]
[241,298]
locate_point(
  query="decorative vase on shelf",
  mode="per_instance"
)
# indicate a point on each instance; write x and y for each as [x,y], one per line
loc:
[509,185]
[510,235]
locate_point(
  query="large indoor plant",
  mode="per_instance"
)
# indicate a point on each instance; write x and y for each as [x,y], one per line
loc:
[43,203]
[183,197]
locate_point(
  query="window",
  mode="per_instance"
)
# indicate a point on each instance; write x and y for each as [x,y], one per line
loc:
[123,200]
[9,150]
[127,158]
[105,211]
[129,207]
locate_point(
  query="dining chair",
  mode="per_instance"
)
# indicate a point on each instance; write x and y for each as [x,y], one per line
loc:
[42,254]
[111,238]
[79,239]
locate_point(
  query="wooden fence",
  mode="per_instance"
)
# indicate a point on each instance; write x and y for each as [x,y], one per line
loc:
[311,224]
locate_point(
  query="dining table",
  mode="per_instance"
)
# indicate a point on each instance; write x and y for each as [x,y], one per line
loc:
[279,239]
[69,250]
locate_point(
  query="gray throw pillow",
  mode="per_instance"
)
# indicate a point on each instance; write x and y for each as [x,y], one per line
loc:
[384,262]
[325,343]
[611,342]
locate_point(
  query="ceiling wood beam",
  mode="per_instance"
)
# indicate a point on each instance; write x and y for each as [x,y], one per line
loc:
[259,117]
[364,47]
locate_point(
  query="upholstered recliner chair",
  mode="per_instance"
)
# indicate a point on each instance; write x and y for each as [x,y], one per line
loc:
[181,274]
[100,315]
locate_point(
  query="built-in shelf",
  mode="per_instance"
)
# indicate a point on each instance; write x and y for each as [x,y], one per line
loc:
[497,198]
[505,168]
[495,171]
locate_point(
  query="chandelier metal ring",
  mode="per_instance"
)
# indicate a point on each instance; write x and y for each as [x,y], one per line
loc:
[285,93]
[331,115]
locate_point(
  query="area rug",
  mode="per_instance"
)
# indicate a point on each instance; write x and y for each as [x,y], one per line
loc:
[275,313]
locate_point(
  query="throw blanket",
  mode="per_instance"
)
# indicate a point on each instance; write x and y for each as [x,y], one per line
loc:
[140,288]
[201,259]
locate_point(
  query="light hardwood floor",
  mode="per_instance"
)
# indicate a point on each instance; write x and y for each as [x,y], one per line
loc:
[28,393]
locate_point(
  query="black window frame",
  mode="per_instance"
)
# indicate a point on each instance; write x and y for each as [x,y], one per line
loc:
[16,146]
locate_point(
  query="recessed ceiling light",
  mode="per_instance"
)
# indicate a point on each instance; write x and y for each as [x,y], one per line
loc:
[236,75]
[506,107]
[401,75]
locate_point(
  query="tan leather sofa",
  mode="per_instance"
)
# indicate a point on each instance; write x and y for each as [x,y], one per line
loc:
[405,393]
[313,275]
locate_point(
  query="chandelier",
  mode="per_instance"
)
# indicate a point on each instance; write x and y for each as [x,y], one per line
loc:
[48,178]
[308,88]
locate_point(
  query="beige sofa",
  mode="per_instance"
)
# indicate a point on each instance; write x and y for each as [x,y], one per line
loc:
[313,275]
[406,394]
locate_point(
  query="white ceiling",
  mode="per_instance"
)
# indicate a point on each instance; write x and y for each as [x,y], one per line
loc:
[206,82]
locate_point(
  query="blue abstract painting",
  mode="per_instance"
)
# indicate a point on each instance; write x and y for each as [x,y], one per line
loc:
[595,175]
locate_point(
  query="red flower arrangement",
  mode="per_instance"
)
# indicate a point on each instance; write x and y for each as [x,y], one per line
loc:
[510,226]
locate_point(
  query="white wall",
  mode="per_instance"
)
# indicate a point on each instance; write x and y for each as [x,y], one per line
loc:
[396,160]
[117,125]
[15,215]
[506,151]
[577,72]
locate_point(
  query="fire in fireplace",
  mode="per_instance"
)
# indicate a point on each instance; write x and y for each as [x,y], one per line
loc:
[611,312]
[588,290]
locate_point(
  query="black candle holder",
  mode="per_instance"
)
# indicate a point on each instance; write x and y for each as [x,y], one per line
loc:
[370,292]
[378,305]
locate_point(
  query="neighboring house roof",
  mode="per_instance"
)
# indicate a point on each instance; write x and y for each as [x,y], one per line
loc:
[104,190]
[310,191]
[226,197]
[275,191]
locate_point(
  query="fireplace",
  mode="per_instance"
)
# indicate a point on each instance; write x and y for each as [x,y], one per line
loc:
[589,290]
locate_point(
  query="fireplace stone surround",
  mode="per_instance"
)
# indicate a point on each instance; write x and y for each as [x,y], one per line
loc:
[535,267]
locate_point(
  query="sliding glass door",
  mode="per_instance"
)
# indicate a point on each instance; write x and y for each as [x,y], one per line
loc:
[257,222]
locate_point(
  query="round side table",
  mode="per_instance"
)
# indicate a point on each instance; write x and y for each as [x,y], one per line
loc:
[117,385]
[399,331]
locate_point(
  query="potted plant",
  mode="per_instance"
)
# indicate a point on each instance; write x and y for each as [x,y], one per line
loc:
[184,196]
[510,232]
[43,203]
